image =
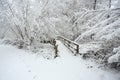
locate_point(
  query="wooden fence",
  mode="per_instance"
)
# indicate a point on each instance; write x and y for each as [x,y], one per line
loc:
[72,46]
[52,42]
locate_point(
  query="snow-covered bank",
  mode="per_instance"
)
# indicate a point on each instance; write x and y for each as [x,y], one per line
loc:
[19,65]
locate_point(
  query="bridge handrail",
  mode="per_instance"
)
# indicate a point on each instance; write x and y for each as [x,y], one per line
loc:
[68,43]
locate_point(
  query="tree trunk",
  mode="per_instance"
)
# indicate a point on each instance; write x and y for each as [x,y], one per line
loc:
[109,3]
[94,5]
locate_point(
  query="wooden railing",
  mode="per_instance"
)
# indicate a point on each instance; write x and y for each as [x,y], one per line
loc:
[52,42]
[72,46]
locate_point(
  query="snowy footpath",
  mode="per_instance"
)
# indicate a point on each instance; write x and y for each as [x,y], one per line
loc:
[17,64]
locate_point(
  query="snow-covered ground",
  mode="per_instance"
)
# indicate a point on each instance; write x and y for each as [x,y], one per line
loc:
[17,64]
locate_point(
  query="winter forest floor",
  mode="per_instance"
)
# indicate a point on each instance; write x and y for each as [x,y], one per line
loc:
[17,64]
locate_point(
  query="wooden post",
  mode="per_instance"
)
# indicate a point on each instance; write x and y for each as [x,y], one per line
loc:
[55,48]
[56,51]
[77,51]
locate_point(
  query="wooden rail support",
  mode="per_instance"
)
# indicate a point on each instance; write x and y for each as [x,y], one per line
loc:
[56,51]
[77,51]
[55,48]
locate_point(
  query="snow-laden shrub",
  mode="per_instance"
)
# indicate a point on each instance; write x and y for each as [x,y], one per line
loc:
[89,54]
[103,27]
[100,26]
[114,60]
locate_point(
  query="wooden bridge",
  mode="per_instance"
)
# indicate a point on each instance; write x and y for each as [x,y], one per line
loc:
[72,46]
